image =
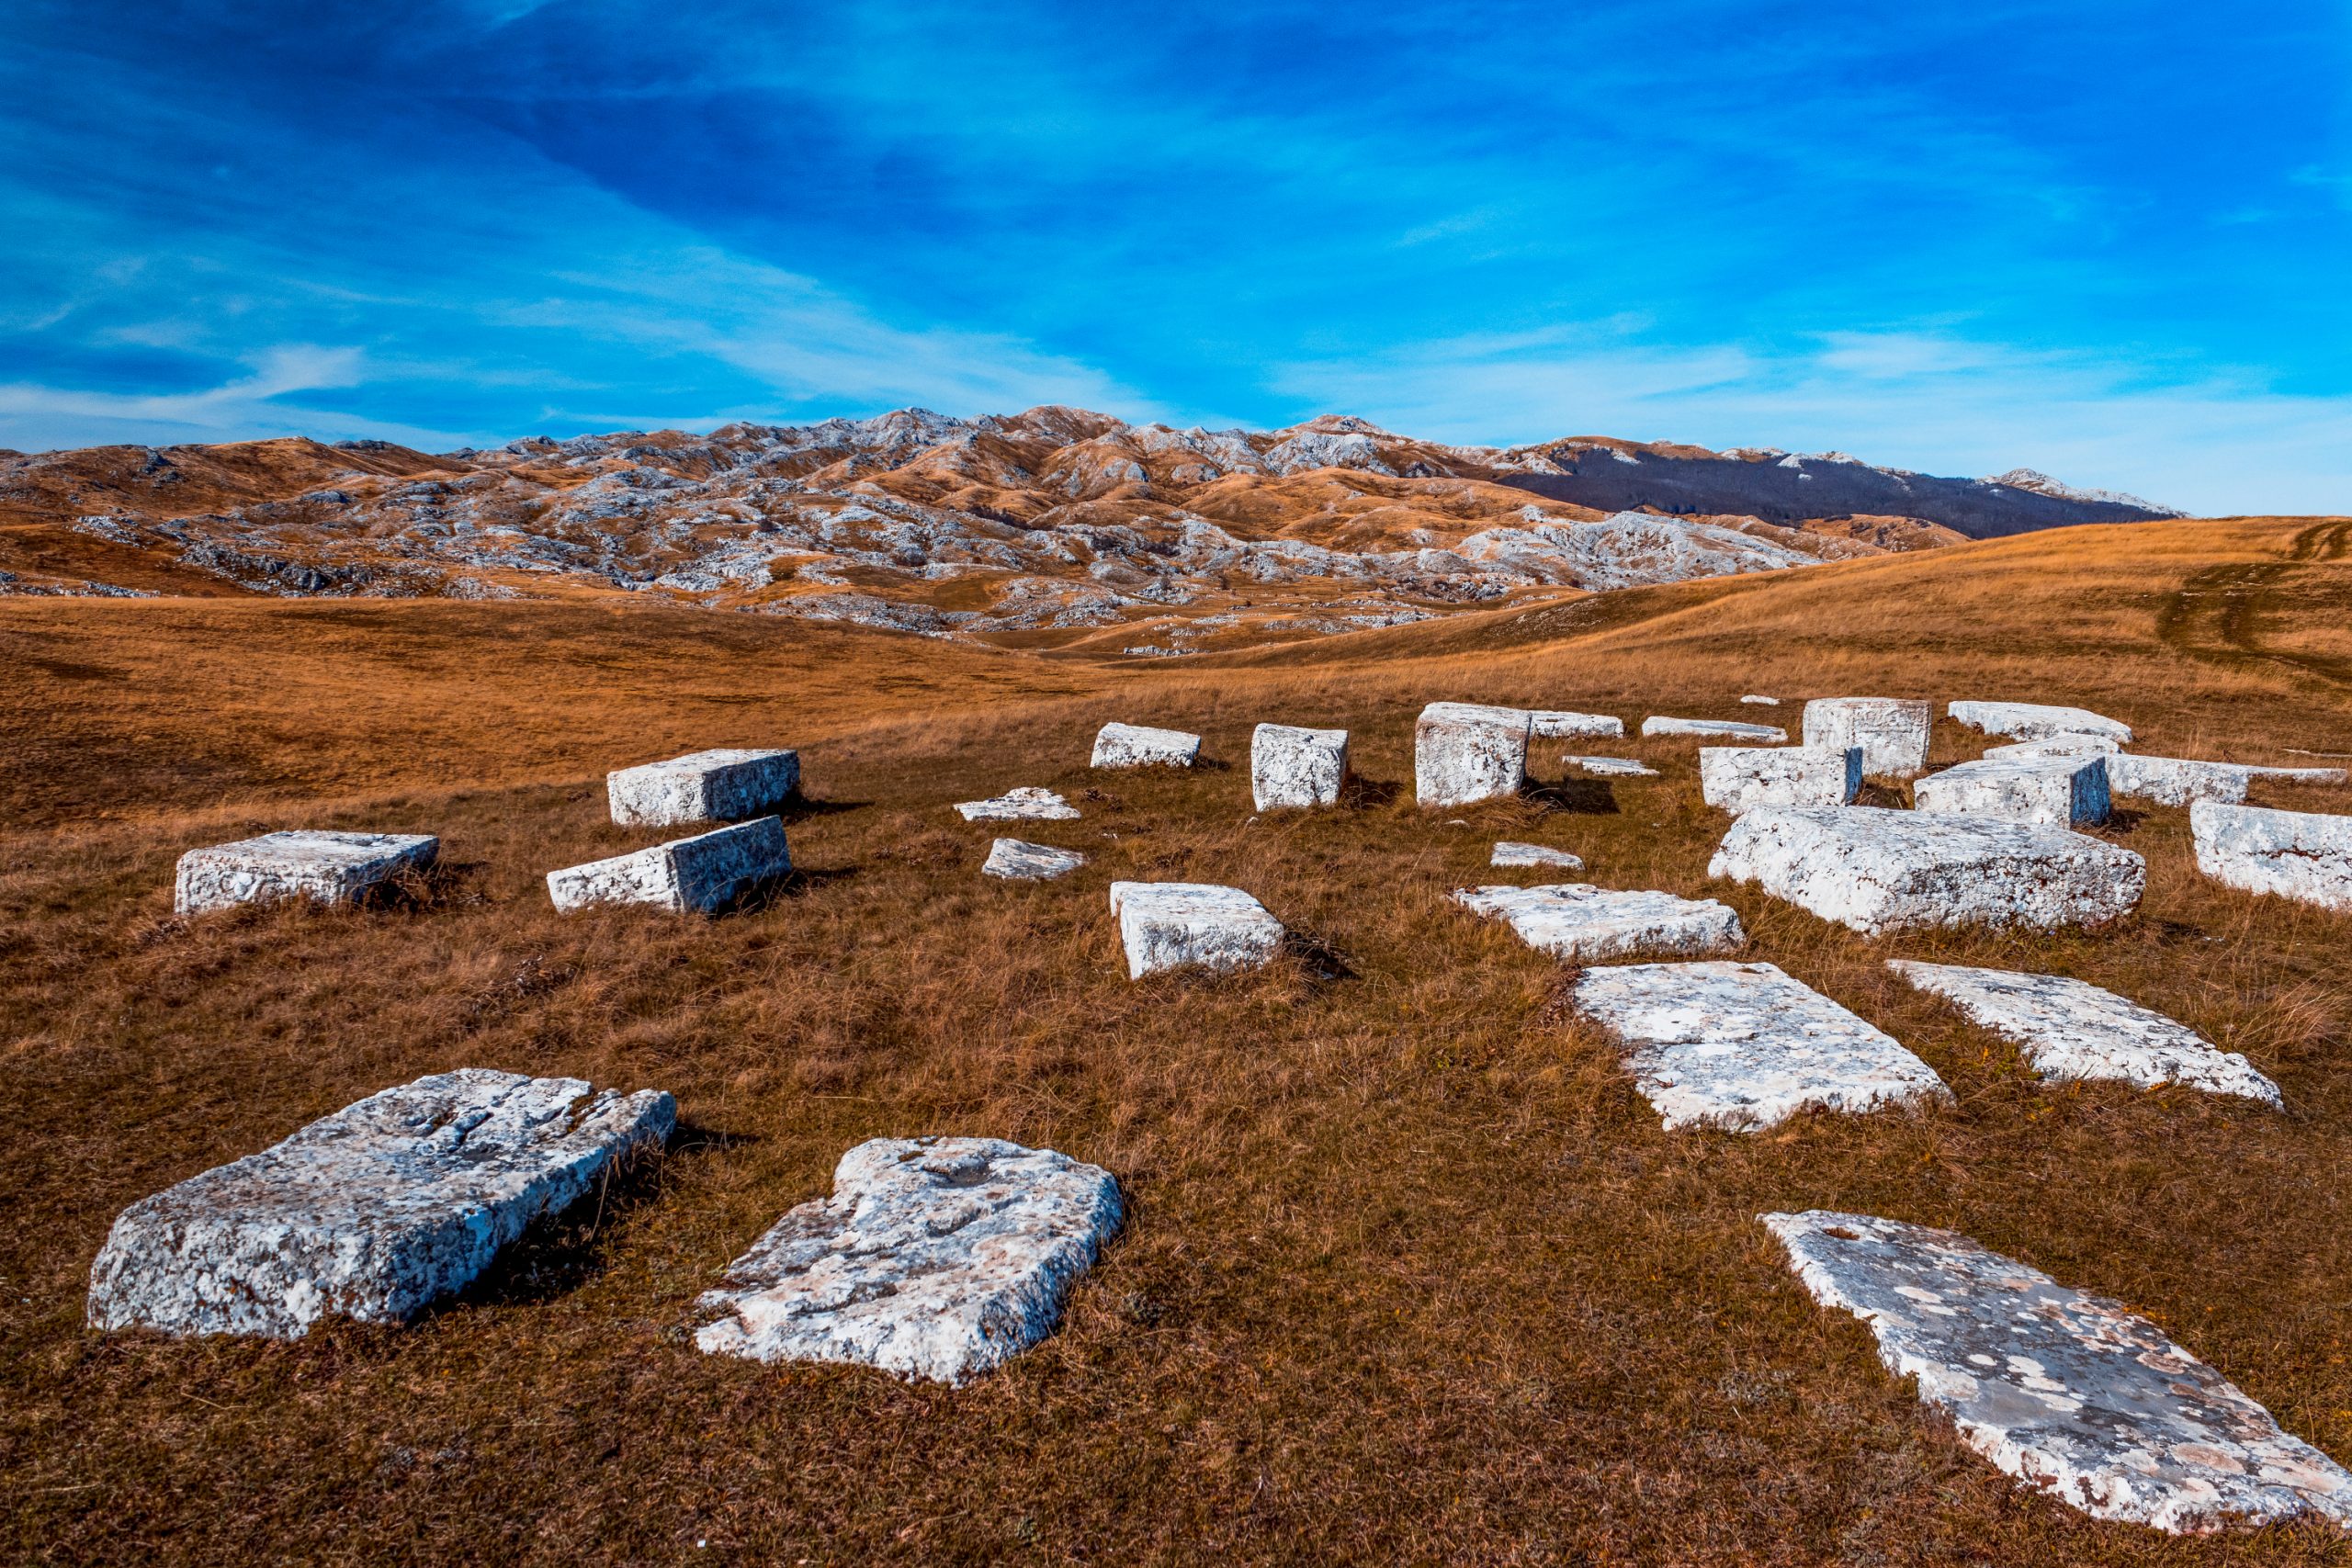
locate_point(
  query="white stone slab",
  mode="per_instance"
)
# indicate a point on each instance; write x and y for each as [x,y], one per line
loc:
[1755,700]
[702,873]
[1168,925]
[373,1213]
[2175,780]
[1579,922]
[2304,855]
[2066,1029]
[1016,860]
[2296,775]
[1740,778]
[704,787]
[1135,746]
[299,864]
[1612,767]
[1730,728]
[1891,731]
[1875,870]
[1030,803]
[1744,1047]
[1509,854]
[1289,766]
[1466,751]
[2059,745]
[2037,721]
[934,1257]
[2055,791]
[1548,724]
[2071,1394]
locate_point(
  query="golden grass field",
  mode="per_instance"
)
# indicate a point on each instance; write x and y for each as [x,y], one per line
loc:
[1410,1275]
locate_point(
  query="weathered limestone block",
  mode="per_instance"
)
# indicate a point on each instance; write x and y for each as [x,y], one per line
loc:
[1016,860]
[1546,724]
[1875,870]
[1579,922]
[1740,778]
[703,786]
[1891,731]
[1030,803]
[2059,745]
[2175,780]
[2066,1029]
[299,864]
[1289,766]
[934,1257]
[1466,751]
[1744,1046]
[1509,854]
[2296,775]
[2070,1394]
[1612,767]
[373,1213]
[705,873]
[1168,925]
[1135,746]
[2296,855]
[2061,792]
[1730,728]
[2037,721]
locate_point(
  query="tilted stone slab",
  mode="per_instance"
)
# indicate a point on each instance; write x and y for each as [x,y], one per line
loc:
[700,874]
[1030,803]
[1466,751]
[2037,721]
[1289,766]
[1740,778]
[1549,724]
[2061,792]
[1135,746]
[2067,1028]
[703,786]
[1731,729]
[328,867]
[1170,925]
[374,1213]
[1612,767]
[1891,731]
[934,1257]
[1016,860]
[2072,1395]
[2304,855]
[1510,854]
[1744,1046]
[1579,922]
[1875,870]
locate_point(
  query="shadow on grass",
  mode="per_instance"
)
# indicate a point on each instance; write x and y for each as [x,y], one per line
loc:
[1323,961]
[560,1253]
[800,809]
[1360,793]
[1590,797]
[785,889]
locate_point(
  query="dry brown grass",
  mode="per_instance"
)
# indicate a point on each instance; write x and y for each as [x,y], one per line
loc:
[1411,1273]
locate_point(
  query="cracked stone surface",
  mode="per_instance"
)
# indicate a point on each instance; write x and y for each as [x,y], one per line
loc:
[1170,925]
[1466,751]
[1875,870]
[1744,1047]
[934,1257]
[2056,790]
[1891,731]
[2072,1395]
[2304,855]
[1509,854]
[1740,778]
[2037,721]
[1612,767]
[2069,1028]
[1016,860]
[703,786]
[373,1213]
[298,864]
[1580,922]
[1546,724]
[1730,728]
[702,873]
[1136,746]
[1289,766]
[1030,803]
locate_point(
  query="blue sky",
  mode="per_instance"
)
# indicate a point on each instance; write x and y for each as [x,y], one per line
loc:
[2107,241]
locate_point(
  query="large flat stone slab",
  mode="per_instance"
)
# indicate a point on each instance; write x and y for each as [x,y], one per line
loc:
[1875,870]
[1172,925]
[329,867]
[1580,922]
[1030,803]
[2304,855]
[699,874]
[1730,728]
[1510,854]
[1294,767]
[2056,790]
[1553,723]
[1466,751]
[1137,746]
[2183,781]
[2071,1394]
[1740,778]
[1891,731]
[2068,1028]
[704,787]
[1016,860]
[934,1257]
[1744,1046]
[374,1213]
[1612,767]
[2037,721]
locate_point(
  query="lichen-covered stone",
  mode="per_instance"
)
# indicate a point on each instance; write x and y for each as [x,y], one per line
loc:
[1289,766]
[1136,746]
[2304,855]
[2067,1028]
[1744,1046]
[1170,925]
[1876,870]
[1891,731]
[1548,724]
[934,1257]
[702,873]
[1731,729]
[373,1213]
[2037,721]
[1030,803]
[1510,854]
[2072,1395]
[2056,790]
[1612,767]
[329,867]
[1016,860]
[703,786]
[1580,922]
[1740,778]
[1466,751]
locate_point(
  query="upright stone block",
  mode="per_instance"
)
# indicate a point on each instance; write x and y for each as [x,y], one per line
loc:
[1740,778]
[1891,731]
[2303,855]
[1466,751]
[327,867]
[703,786]
[1171,925]
[1730,728]
[1296,767]
[1135,746]
[2037,721]
[1015,860]
[2061,792]
[1548,724]
[703,873]
[1578,922]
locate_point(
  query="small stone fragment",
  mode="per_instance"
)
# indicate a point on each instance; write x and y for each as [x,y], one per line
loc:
[1289,766]
[1168,925]
[1135,746]
[1030,803]
[2037,721]
[1762,702]
[1018,860]
[1730,728]
[2304,855]
[1466,751]
[1612,767]
[1579,922]
[1740,778]
[703,786]
[2056,790]
[1546,724]
[1508,853]
[1891,731]
[701,874]
[328,867]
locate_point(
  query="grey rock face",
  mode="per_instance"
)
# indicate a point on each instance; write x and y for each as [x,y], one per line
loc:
[702,873]
[1170,925]
[1467,751]
[1740,778]
[934,1257]
[2067,1028]
[1030,803]
[1891,731]
[2037,721]
[703,786]
[1744,1046]
[1579,922]
[299,864]
[1508,853]
[1874,870]
[2056,790]
[2070,1394]
[1731,729]
[1017,861]
[1134,745]
[2296,855]
[1546,724]
[1290,766]
[373,1213]
[1612,767]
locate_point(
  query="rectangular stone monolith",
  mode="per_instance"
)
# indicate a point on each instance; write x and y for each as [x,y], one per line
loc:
[2055,791]
[1294,767]
[1138,746]
[327,867]
[1740,778]
[1581,923]
[2304,855]
[1174,925]
[1891,731]
[702,874]
[704,787]
[1466,751]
